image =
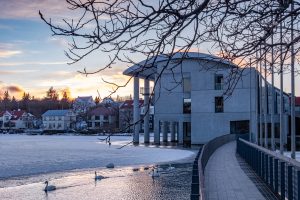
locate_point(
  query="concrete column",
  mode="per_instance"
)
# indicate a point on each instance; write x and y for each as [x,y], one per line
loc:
[136,110]
[165,131]
[147,111]
[180,132]
[172,131]
[156,131]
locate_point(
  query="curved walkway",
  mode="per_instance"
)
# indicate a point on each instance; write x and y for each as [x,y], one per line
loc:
[225,179]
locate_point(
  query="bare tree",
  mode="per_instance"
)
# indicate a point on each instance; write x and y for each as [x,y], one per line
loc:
[123,29]
[237,30]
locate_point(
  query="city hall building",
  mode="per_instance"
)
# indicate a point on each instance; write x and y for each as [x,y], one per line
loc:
[189,102]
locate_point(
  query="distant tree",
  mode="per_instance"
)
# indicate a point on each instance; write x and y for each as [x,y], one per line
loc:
[14,103]
[52,94]
[25,101]
[65,101]
[97,100]
[6,100]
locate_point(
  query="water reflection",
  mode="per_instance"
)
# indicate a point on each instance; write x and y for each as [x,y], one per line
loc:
[122,183]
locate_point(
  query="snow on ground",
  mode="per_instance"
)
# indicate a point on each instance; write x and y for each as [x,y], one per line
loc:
[23,155]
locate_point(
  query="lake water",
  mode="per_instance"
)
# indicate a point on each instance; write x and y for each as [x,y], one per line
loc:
[69,163]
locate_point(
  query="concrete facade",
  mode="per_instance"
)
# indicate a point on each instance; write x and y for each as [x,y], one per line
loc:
[194,79]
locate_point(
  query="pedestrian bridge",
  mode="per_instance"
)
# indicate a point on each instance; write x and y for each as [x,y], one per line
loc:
[228,169]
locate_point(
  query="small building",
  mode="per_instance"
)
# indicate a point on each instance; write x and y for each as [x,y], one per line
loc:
[22,120]
[102,118]
[126,115]
[59,120]
[82,104]
[5,117]
[16,119]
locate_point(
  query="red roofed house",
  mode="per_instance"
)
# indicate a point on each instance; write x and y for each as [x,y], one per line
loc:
[126,115]
[16,119]
[102,118]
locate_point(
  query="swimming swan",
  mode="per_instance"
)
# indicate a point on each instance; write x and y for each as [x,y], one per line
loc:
[154,173]
[98,177]
[170,167]
[49,187]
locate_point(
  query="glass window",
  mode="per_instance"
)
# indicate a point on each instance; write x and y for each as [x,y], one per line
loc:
[218,81]
[97,124]
[187,108]
[105,117]
[219,105]
[239,127]
[187,85]
[97,117]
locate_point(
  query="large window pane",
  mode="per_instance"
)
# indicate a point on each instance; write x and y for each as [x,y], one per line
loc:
[187,107]
[218,81]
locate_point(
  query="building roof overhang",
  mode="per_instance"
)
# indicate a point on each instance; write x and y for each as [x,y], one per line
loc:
[148,68]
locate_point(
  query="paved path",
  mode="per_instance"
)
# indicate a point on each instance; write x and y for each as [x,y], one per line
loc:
[225,179]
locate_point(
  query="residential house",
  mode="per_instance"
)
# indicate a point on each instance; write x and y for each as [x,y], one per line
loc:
[5,117]
[126,115]
[16,119]
[59,120]
[82,104]
[102,118]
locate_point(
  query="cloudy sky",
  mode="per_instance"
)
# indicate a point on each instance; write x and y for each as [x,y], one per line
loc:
[32,60]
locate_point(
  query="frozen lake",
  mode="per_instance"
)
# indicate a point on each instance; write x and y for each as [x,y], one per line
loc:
[27,155]
[69,162]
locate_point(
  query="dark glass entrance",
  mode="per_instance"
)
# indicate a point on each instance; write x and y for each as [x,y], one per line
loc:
[239,127]
[187,129]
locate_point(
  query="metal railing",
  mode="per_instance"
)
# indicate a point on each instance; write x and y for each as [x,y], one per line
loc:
[201,160]
[195,193]
[281,173]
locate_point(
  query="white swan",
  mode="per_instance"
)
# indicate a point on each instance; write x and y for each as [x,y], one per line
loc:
[154,173]
[170,167]
[49,187]
[159,169]
[98,177]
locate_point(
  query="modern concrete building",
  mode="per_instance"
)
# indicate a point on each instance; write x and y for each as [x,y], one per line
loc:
[190,101]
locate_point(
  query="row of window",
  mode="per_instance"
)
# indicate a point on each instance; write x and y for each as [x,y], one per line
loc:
[97,117]
[219,105]
[52,118]
[53,125]
[97,124]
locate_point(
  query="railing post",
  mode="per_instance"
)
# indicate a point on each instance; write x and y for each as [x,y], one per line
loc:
[282,180]
[263,165]
[271,172]
[267,168]
[259,163]
[276,175]
[290,182]
[298,184]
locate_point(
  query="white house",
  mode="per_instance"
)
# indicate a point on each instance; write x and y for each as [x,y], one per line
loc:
[59,120]
[189,98]
[16,119]
[83,104]
[5,117]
